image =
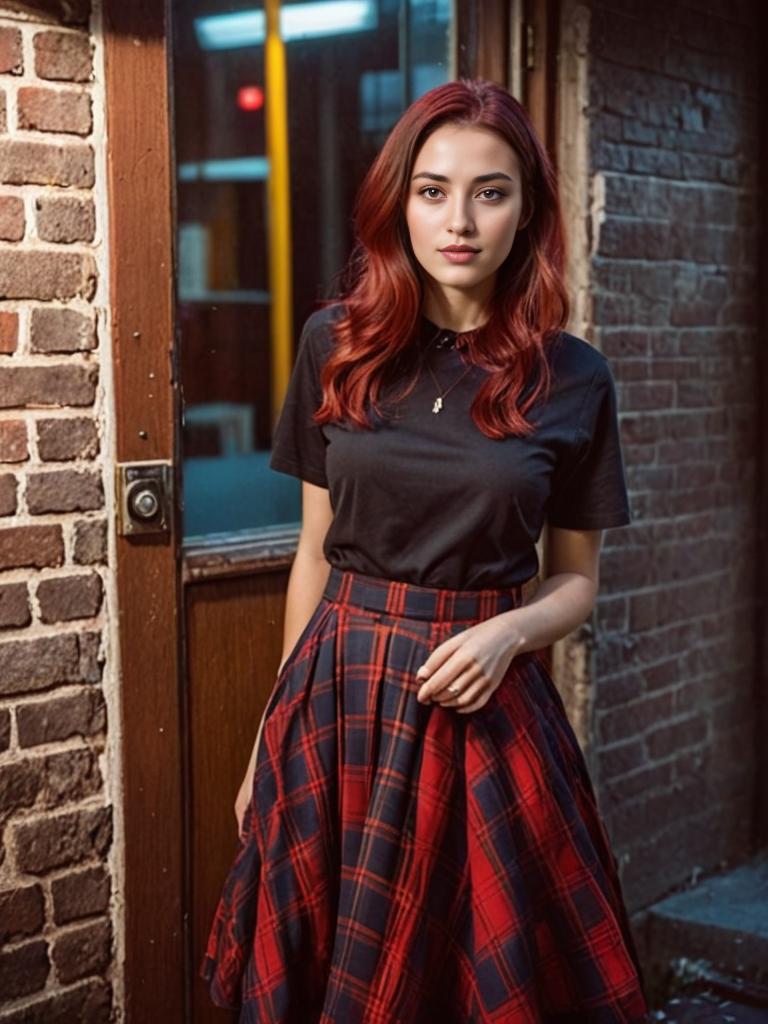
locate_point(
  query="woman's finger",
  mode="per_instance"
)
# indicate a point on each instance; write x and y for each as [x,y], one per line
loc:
[469,693]
[452,675]
[480,701]
[439,656]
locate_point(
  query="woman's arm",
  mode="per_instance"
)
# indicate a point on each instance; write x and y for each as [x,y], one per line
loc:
[310,569]
[567,595]
[475,660]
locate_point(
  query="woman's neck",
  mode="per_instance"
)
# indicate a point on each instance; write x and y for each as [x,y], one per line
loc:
[454,312]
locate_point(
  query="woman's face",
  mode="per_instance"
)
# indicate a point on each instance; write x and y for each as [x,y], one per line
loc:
[465,191]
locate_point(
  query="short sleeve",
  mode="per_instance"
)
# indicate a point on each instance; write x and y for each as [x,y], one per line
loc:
[298,444]
[589,490]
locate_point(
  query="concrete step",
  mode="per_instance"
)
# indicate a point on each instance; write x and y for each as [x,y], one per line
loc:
[707,1008]
[716,928]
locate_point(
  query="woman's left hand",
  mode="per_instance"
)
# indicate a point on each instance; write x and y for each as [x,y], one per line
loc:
[466,668]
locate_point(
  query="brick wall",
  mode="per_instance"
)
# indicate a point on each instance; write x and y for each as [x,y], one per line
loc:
[673,176]
[56,827]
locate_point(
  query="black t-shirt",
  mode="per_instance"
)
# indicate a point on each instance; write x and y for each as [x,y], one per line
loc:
[428,498]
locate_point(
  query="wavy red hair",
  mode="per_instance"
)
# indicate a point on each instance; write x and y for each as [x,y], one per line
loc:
[382,293]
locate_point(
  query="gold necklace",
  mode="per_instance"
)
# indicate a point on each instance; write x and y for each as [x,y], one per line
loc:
[437,405]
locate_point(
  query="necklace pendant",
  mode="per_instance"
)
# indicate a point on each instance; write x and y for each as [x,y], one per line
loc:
[438,404]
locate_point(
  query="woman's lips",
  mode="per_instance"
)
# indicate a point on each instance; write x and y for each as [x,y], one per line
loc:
[459,255]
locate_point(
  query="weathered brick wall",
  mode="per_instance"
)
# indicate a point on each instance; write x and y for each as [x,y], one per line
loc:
[673,178]
[56,847]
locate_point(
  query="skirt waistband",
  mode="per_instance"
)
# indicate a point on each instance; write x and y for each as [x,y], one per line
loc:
[409,600]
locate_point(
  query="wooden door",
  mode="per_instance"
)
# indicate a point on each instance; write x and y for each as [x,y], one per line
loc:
[217,258]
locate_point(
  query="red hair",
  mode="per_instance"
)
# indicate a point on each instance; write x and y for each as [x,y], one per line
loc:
[383,292]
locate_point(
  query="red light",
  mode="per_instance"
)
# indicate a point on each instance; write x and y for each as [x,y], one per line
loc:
[250,97]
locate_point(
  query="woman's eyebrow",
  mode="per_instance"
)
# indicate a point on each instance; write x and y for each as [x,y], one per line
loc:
[493,176]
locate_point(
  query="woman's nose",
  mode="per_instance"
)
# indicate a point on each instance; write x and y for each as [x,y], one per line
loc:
[460,217]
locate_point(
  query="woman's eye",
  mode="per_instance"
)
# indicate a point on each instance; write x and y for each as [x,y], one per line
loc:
[433,192]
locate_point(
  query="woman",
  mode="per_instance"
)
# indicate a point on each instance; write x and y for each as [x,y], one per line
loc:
[420,837]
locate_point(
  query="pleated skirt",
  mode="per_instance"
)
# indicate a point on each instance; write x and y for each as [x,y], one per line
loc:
[402,863]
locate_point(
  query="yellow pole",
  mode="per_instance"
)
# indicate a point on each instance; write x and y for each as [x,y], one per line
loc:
[279,203]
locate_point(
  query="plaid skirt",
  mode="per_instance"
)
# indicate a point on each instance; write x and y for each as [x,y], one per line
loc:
[402,863]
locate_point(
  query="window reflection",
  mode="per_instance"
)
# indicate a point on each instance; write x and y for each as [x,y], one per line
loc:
[352,67]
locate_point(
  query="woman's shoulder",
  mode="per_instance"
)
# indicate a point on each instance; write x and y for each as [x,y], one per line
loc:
[317,332]
[576,360]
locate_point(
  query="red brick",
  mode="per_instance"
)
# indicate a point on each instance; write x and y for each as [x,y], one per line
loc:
[63,56]
[60,439]
[9,332]
[11,60]
[640,429]
[636,237]
[693,763]
[54,110]
[24,162]
[620,759]
[8,488]
[56,385]
[649,478]
[70,776]
[90,1003]
[633,370]
[618,791]
[692,474]
[22,912]
[61,330]
[81,894]
[82,713]
[91,656]
[669,737]
[13,441]
[66,220]
[19,786]
[29,665]
[90,542]
[31,546]
[83,950]
[65,490]
[24,970]
[612,613]
[653,811]
[14,606]
[28,274]
[55,841]
[70,597]
[11,218]
[618,342]
[619,687]
[643,611]
[628,721]
[649,395]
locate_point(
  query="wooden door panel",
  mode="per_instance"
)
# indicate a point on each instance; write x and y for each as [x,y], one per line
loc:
[234,639]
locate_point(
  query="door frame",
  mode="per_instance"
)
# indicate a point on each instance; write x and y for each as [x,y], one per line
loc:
[146,388]
[151,570]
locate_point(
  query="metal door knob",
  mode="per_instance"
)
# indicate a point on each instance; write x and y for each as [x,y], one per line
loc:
[144,503]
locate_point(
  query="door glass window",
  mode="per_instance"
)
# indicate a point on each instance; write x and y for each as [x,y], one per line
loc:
[267,168]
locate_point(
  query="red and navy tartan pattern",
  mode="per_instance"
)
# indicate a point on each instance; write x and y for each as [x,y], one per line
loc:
[403,863]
